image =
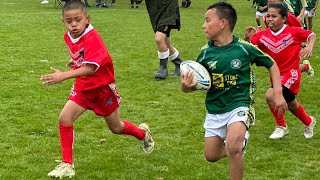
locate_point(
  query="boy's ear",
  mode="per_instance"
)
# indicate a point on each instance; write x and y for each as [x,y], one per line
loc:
[62,19]
[88,17]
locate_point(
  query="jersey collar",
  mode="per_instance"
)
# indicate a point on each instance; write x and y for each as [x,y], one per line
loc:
[280,31]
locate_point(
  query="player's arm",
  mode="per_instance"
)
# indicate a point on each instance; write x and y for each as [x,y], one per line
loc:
[315,6]
[303,9]
[307,51]
[58,76]
[279,101]
[301,15]
[187,84]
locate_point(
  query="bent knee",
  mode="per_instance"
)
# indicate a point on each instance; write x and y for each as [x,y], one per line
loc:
[212,158]
[233,150]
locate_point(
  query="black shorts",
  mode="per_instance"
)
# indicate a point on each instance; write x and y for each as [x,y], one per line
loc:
[164,29]
[288,95]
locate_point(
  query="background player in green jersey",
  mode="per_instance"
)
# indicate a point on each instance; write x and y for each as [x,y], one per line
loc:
[261,11]
[310,12]
[229,113]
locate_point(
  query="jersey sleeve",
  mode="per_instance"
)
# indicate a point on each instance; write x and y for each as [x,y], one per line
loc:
[95,52]
[260,58]
[301,35]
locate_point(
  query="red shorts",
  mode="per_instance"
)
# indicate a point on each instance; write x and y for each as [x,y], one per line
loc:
[102,100]
[292,80]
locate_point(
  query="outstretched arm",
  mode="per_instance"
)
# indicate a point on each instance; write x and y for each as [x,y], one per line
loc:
[58,76]
[307,51]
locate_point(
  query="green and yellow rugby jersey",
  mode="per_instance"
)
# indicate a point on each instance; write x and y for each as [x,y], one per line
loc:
[230,67]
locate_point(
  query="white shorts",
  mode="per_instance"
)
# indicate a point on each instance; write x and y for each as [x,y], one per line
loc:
[216,124]
[261,14]
[309,14]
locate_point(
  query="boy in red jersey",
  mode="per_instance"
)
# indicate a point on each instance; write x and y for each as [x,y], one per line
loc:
[94,88]
[283,43]
[294,22]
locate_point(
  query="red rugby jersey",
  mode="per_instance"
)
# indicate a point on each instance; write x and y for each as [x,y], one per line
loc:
[90,49]
[283,46]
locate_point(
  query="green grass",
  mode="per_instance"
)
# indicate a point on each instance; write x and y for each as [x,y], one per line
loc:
[29,143]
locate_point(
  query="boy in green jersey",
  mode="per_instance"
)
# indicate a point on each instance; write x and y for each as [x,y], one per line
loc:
[228,60]
[261,11]
[310,12]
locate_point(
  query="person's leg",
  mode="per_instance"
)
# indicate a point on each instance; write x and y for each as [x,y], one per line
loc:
[258,16]
[214,149]
[174,56]
[234,145]
[118,126]
[137,3]
[68,115]
[280,120]
[310,23]
[306,67]
[281,128]
[163,54]
[132,3]
[298,111]
[258,20]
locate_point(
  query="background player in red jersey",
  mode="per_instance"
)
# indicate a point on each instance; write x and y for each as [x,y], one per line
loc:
[94,88]
[295,22]
[283,44]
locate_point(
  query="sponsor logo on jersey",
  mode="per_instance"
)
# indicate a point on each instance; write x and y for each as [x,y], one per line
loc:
[212,65]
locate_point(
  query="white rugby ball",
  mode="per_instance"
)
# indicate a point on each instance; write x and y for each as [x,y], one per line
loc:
[201,74]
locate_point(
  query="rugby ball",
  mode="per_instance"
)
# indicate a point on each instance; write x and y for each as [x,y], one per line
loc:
[201,74]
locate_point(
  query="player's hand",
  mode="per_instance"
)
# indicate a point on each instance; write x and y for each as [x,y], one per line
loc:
[306,52]
[54,78]
[280,104]
[187,84]
[249,32]
[70,64]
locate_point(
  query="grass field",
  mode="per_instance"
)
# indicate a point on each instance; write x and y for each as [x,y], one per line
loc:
[31,41]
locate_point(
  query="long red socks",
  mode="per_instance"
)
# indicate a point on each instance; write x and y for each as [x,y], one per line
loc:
[66,141]
[301,114]
[131,129]
[67,138]
[279,119]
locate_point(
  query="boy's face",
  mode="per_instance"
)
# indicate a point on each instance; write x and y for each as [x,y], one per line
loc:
[275,20]
[75,21]
[212,25]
